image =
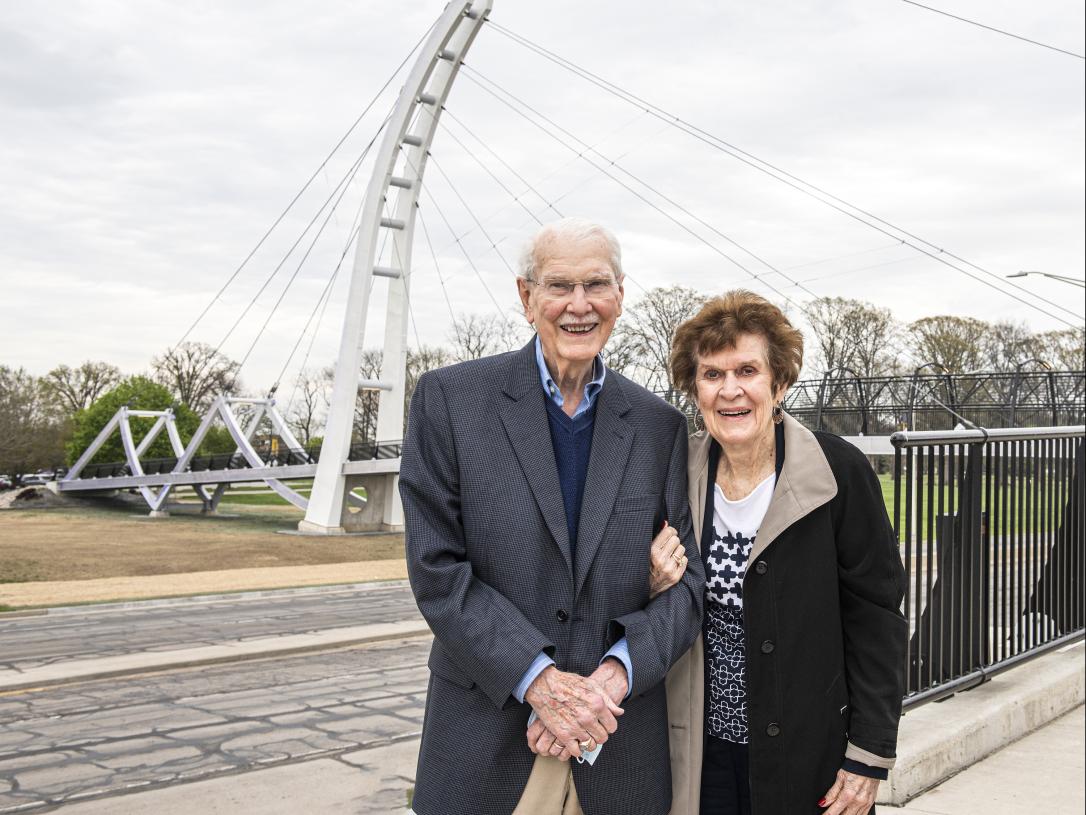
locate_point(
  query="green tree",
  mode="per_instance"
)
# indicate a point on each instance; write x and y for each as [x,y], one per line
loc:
[138,393]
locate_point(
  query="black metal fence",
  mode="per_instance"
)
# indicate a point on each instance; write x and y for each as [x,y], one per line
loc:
[990,524]
[849,405]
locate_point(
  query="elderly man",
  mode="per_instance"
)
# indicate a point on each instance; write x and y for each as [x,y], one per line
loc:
[533,484]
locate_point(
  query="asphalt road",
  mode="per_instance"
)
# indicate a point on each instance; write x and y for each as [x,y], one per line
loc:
[95,632]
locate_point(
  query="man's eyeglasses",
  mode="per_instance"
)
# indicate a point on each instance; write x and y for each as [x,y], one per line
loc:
[596,288]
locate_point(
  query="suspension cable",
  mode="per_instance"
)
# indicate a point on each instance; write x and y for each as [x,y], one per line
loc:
[516,198]
[784,177]
[581,154]
[471,213]
[499,159]
[343,182]
[996,30]
[440,278]
[304,187]
[614,163]
[309,249]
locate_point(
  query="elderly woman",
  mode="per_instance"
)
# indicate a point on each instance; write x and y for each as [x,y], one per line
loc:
[789,703]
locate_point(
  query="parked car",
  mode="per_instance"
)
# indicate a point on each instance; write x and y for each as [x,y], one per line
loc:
[5,482]
[40,477]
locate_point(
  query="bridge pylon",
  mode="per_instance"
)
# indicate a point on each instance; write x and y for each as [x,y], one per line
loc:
[398,173]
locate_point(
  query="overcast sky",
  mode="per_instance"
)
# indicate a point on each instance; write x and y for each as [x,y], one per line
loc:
[146,147]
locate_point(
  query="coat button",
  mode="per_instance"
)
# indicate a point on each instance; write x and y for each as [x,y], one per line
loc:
[761,567]
[767,647]
[562,615]
[773,730]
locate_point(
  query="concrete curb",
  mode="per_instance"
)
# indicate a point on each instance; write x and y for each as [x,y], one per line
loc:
[940,739]
[128,664]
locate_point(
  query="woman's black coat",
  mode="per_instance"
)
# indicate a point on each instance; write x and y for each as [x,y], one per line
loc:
[826,639]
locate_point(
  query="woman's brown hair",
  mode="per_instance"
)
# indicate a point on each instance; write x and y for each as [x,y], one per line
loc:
[718,325]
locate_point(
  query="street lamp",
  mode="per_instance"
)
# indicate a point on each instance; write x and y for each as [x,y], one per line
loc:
[1074,281]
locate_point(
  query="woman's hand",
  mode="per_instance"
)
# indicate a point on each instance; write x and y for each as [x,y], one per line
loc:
[850,795]
[667,560]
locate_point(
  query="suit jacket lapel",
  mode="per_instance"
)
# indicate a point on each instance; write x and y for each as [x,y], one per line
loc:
[525,418]
[612,440]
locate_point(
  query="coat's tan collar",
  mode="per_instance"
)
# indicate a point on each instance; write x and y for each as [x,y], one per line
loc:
[806,482]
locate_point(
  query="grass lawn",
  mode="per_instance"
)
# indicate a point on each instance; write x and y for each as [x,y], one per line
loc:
[119,540]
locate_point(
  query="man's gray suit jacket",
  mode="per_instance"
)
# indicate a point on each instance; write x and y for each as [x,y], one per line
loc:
[490,564]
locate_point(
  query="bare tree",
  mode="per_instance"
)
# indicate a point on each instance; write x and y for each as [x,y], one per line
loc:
[1008,345]
[956,343]
[474,336]
[32,435]
[196,373]
[308,401]
[873,332]
[471,337]
[73,389]
[832,320]
[643,336]
[511,333]
[1064,349]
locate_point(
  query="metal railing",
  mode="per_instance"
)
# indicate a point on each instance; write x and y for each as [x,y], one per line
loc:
[990,525]
[272,457]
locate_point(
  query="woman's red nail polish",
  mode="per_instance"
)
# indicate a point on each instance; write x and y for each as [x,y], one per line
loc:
[821,802]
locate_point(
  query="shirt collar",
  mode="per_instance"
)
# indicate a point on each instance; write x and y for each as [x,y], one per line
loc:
[591,389]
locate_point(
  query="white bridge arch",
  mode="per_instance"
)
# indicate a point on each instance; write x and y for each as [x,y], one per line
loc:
[388,213]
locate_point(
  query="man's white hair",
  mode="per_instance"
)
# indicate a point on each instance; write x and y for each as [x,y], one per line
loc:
[571,230]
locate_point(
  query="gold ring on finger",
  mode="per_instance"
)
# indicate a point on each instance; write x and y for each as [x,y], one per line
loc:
[678,557]
[587,746]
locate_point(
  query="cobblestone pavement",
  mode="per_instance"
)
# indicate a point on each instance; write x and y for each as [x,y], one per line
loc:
[31,642]
[110,737]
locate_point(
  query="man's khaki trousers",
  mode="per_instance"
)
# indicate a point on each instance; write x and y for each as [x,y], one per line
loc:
[549,790]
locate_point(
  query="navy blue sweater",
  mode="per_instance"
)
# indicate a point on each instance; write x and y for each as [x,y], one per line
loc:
[572,440]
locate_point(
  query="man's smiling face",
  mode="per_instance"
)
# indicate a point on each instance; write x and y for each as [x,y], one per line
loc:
[573,325]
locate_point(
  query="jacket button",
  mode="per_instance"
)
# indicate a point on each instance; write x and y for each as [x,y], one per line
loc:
[767,647]
[761,567]
[562,615]
[773,730]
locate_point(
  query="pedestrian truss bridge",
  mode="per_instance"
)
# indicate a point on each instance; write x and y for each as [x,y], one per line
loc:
[399,214]
[283,459]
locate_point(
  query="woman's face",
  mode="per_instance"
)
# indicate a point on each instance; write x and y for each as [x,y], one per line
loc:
[735,391]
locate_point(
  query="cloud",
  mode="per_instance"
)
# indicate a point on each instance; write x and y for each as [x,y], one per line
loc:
[147,148]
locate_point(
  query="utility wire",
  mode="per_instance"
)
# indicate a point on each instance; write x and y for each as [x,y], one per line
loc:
[996,30]
[305,186]
[785,177]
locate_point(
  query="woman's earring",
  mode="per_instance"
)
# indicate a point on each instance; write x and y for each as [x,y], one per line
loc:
[778,413]
[699,422]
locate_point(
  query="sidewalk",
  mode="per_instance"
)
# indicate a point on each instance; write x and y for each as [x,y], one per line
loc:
[1044,772]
